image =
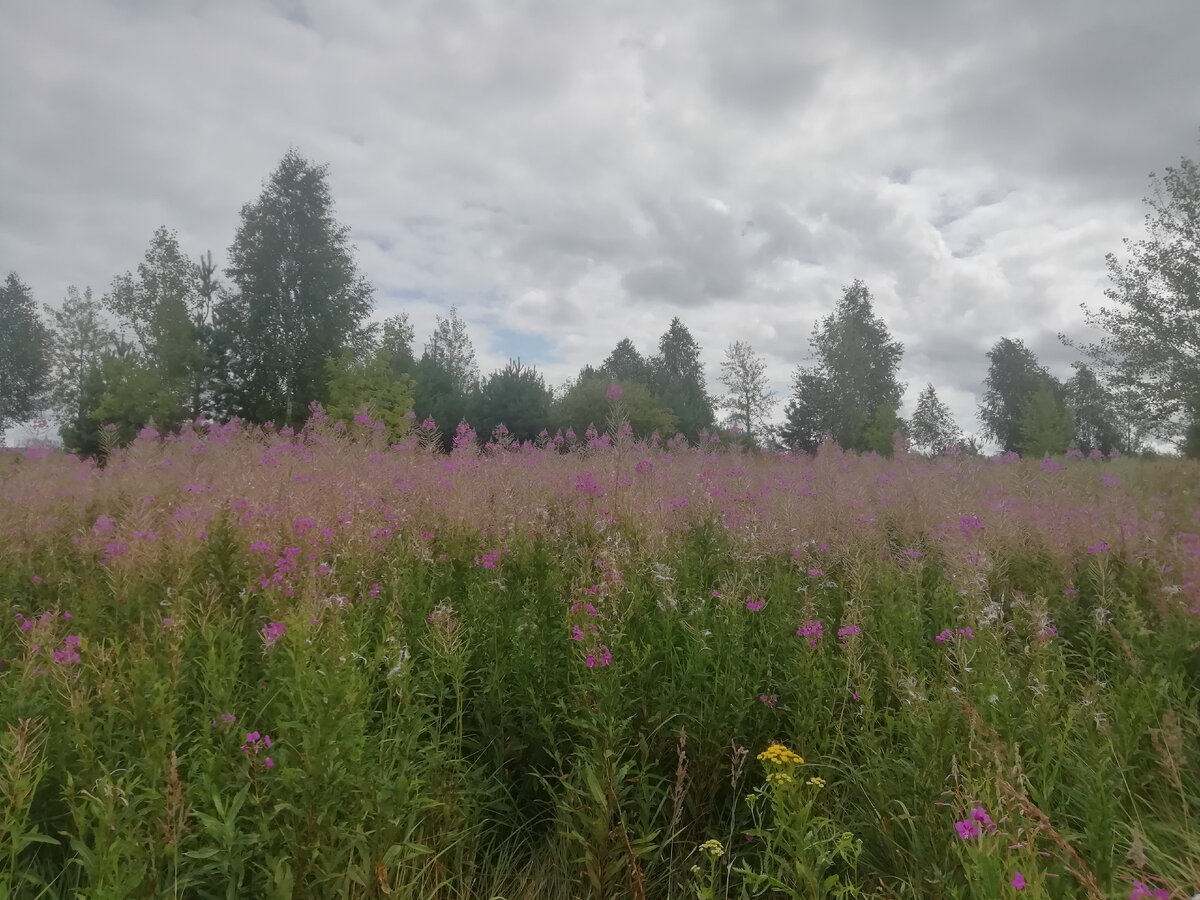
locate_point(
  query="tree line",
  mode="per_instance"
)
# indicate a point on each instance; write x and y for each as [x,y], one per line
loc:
[286,327]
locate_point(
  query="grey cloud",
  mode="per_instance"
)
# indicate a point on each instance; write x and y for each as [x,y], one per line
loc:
[585,171]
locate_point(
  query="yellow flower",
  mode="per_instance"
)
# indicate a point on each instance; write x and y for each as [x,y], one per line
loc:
[779,779]
[817,781]
[713,848]
[780,755]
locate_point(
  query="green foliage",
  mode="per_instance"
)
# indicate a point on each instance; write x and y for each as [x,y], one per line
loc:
[82,338]
[626,363]
[854,375]
[515,397]
[25,344]
[135,395]
[880,434]
[1045,425]
[1149,355]
[436,731]
[446,375]
[678,380]
[372,386]
[585,404]
[749,400]
[298,300]
[396,344]
[1095,423]
[932,428]
[1014,376]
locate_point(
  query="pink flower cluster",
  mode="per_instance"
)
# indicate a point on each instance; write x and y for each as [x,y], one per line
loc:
[1143,891]
[602,657]
[813,630]
[273,631]
[973,826]
[964,633]
[68,654]
[256,743]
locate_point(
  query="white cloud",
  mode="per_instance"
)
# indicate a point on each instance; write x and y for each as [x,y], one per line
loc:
[585,172]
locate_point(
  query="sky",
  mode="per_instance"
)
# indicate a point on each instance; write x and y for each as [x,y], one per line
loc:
[570,173]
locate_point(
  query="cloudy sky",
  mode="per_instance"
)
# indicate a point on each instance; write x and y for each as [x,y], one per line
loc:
[569,173]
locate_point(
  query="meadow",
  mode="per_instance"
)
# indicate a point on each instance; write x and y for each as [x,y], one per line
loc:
[242,663]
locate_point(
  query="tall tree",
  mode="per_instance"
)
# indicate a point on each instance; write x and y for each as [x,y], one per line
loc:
[447,375]
[451,350]
[165,306]
[515,397]
[396,343]
[625,363]
[1093,411]
[678,379]
[1151,350]
[750,399]
[811,411]
[299,299]
[853,376]
[1045,424]
[82,337]
[25,344]
[160,303]
[932,427]
[1014,375]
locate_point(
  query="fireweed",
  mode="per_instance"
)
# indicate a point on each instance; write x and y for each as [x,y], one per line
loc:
[414,631]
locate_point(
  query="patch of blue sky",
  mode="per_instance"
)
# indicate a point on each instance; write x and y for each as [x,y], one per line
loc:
[532,349]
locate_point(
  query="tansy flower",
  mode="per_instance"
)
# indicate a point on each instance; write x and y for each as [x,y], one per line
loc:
[817,781]
[781,755]
[713,848]
[779,779]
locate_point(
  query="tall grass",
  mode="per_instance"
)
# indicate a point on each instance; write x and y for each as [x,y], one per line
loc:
[532,673]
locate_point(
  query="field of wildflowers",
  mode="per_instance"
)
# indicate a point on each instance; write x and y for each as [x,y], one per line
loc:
[241,663]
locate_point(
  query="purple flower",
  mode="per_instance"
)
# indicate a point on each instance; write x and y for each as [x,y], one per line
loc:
[1101,547]
[273,631]
[768,699]
[755,604]
[1018,882]
[1143,891]
[614,392]
[967,829]
[816,573]
[813,630]
[269,763]
[968,525]
[848,631]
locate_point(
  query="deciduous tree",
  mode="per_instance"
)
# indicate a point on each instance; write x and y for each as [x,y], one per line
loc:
[25,346]
[932,428]
[1014,375]
[750,399]
[298,298]
[82,337]
[1151,349]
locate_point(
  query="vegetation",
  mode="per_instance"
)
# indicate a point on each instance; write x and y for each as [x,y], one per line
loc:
[243,662]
